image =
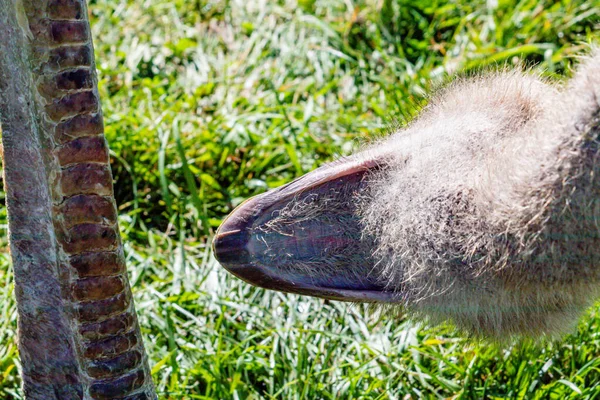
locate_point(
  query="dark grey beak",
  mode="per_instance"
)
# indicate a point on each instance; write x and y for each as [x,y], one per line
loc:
[321,252]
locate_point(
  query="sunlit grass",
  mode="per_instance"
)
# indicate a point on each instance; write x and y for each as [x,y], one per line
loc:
[207,103]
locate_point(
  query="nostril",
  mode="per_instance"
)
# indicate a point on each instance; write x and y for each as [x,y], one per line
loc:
[230,247]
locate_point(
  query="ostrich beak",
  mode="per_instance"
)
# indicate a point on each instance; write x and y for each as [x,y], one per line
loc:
[307,255]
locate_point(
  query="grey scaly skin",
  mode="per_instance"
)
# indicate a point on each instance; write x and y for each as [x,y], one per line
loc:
[484,211]
[78,333]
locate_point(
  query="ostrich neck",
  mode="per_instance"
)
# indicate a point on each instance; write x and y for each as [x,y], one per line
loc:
[78,333]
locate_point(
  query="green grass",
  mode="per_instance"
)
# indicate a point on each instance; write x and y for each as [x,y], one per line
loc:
[209,102]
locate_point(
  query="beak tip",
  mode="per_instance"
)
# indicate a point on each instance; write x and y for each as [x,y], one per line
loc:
[230,247]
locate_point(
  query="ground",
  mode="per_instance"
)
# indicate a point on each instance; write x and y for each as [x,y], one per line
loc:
[209,102]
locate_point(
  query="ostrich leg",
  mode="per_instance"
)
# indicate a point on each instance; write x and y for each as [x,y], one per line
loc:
[78,333]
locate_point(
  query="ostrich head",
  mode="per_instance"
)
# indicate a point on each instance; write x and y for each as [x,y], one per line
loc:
[483,211]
